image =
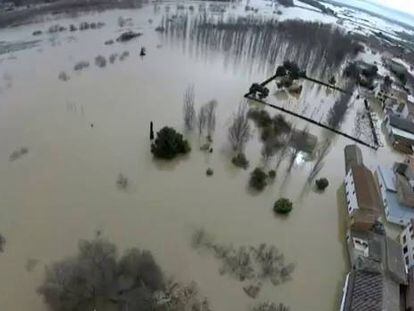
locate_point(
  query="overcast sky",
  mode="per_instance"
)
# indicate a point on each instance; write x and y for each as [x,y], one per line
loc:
[406,6]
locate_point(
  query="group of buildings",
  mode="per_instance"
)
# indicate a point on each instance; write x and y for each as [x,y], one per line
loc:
[381,276]
[398,107]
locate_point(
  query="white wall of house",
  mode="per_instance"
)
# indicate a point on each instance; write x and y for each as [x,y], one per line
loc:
[407,242]
[351,198]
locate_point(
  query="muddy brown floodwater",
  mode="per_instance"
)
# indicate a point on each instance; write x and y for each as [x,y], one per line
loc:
[81,133]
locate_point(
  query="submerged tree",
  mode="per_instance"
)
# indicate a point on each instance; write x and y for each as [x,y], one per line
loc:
[258,179]
[239,130]
[169,144]
[264,41]
[188,108]
[322,184]
[96,277]
[283,206]
[210,111]
[337,113]
[201,121]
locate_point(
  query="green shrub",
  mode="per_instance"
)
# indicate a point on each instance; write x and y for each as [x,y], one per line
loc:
[322,184]
[258,179]
[168,144]
[272,174]
[209,172]
[240,161]
[283,206]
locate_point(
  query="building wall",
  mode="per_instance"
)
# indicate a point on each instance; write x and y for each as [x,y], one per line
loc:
[407,242]
[383,192]
[388,130]
[351,199]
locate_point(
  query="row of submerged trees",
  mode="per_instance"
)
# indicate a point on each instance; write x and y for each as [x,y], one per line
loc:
[318,48]
[205,120]
[97,278]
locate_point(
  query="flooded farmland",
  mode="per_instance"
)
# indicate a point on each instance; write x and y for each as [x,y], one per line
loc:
[73,131]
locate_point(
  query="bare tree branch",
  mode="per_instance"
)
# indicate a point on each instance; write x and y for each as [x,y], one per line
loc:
[239,130]
[188,108]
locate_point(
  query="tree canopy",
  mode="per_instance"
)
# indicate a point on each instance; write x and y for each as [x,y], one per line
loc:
[168,144]
[97,277]
[283,206]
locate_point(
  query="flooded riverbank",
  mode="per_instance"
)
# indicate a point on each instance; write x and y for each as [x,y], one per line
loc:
[82,133]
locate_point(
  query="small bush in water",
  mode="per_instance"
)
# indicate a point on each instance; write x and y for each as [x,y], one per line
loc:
[322,184]
[283,206]
[168,144]
[258,179]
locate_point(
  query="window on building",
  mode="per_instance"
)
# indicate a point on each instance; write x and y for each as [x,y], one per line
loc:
[405,249]
[404,239]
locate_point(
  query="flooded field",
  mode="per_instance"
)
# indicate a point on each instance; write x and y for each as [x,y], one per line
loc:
[72,134]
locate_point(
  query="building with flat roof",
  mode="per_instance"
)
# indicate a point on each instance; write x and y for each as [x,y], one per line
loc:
[395,211]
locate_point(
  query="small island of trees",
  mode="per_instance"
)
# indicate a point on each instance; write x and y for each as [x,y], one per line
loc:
[168,144]
[98,279]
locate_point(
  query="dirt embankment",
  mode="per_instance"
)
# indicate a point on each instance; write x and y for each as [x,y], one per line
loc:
[24,15]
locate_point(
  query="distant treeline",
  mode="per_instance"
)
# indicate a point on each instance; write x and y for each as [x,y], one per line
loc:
[319,6]
[316,47]
[31,12]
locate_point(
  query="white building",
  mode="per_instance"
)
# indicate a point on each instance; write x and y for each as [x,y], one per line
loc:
[407,242]
[361,192]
